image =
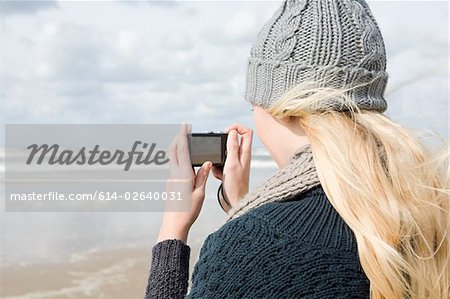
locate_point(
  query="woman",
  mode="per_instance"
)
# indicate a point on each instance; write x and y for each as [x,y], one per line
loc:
[359,207]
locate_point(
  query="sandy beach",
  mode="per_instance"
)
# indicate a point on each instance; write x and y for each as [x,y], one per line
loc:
[120,273]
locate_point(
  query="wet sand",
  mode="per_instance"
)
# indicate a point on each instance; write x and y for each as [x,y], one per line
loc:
[120,273]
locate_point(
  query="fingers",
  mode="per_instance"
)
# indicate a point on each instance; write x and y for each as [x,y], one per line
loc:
[232,148]
[202,176]
[238,127]
[244,149]
[172,151]
[183,157]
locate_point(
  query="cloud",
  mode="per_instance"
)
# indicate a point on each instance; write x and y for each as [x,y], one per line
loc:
[241,27]
[179,40]
[9,7]
[143,63]
[74,52]
[161,3]
[428,33]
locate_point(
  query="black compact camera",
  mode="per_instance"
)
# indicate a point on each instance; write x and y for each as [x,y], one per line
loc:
[211,146]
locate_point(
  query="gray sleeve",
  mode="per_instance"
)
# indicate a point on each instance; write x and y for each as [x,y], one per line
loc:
[169,271]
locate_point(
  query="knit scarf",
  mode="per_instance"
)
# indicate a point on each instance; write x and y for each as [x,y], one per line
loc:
[297,177]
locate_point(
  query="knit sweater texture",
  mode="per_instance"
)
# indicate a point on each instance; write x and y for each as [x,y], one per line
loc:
[300,248]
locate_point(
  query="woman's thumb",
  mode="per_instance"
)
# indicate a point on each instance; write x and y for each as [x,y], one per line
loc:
[202,175]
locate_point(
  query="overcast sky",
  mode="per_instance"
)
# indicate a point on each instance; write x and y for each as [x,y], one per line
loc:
[167,62]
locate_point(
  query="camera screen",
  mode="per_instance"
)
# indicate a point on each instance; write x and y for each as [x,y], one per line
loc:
[206,149]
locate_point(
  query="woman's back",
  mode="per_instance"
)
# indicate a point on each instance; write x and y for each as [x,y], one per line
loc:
[296,248]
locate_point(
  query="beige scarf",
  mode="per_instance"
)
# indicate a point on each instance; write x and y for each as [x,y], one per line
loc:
[298,176]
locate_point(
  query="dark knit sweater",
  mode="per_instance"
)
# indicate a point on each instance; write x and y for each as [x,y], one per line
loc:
[300,248]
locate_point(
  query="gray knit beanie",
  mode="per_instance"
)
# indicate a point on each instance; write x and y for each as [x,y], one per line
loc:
[313,39]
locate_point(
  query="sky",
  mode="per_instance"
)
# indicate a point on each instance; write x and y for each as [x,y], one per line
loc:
[174,61]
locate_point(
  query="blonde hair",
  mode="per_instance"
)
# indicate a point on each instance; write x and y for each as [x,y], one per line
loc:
[388,187]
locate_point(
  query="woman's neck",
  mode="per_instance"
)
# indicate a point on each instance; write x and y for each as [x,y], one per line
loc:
[282,154]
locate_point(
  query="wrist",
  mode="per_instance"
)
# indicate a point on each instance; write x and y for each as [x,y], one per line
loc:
[172,233]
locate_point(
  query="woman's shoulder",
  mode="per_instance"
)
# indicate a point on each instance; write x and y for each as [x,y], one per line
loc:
[308,217]
[279,242]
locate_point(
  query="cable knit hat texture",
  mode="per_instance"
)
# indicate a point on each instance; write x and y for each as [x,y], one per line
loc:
[316,39]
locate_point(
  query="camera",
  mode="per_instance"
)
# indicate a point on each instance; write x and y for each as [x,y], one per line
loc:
[211,146]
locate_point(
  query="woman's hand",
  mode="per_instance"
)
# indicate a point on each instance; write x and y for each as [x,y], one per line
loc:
[235,174]
[176,225]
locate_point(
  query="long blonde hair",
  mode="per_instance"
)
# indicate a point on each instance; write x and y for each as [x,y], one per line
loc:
[390,189]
